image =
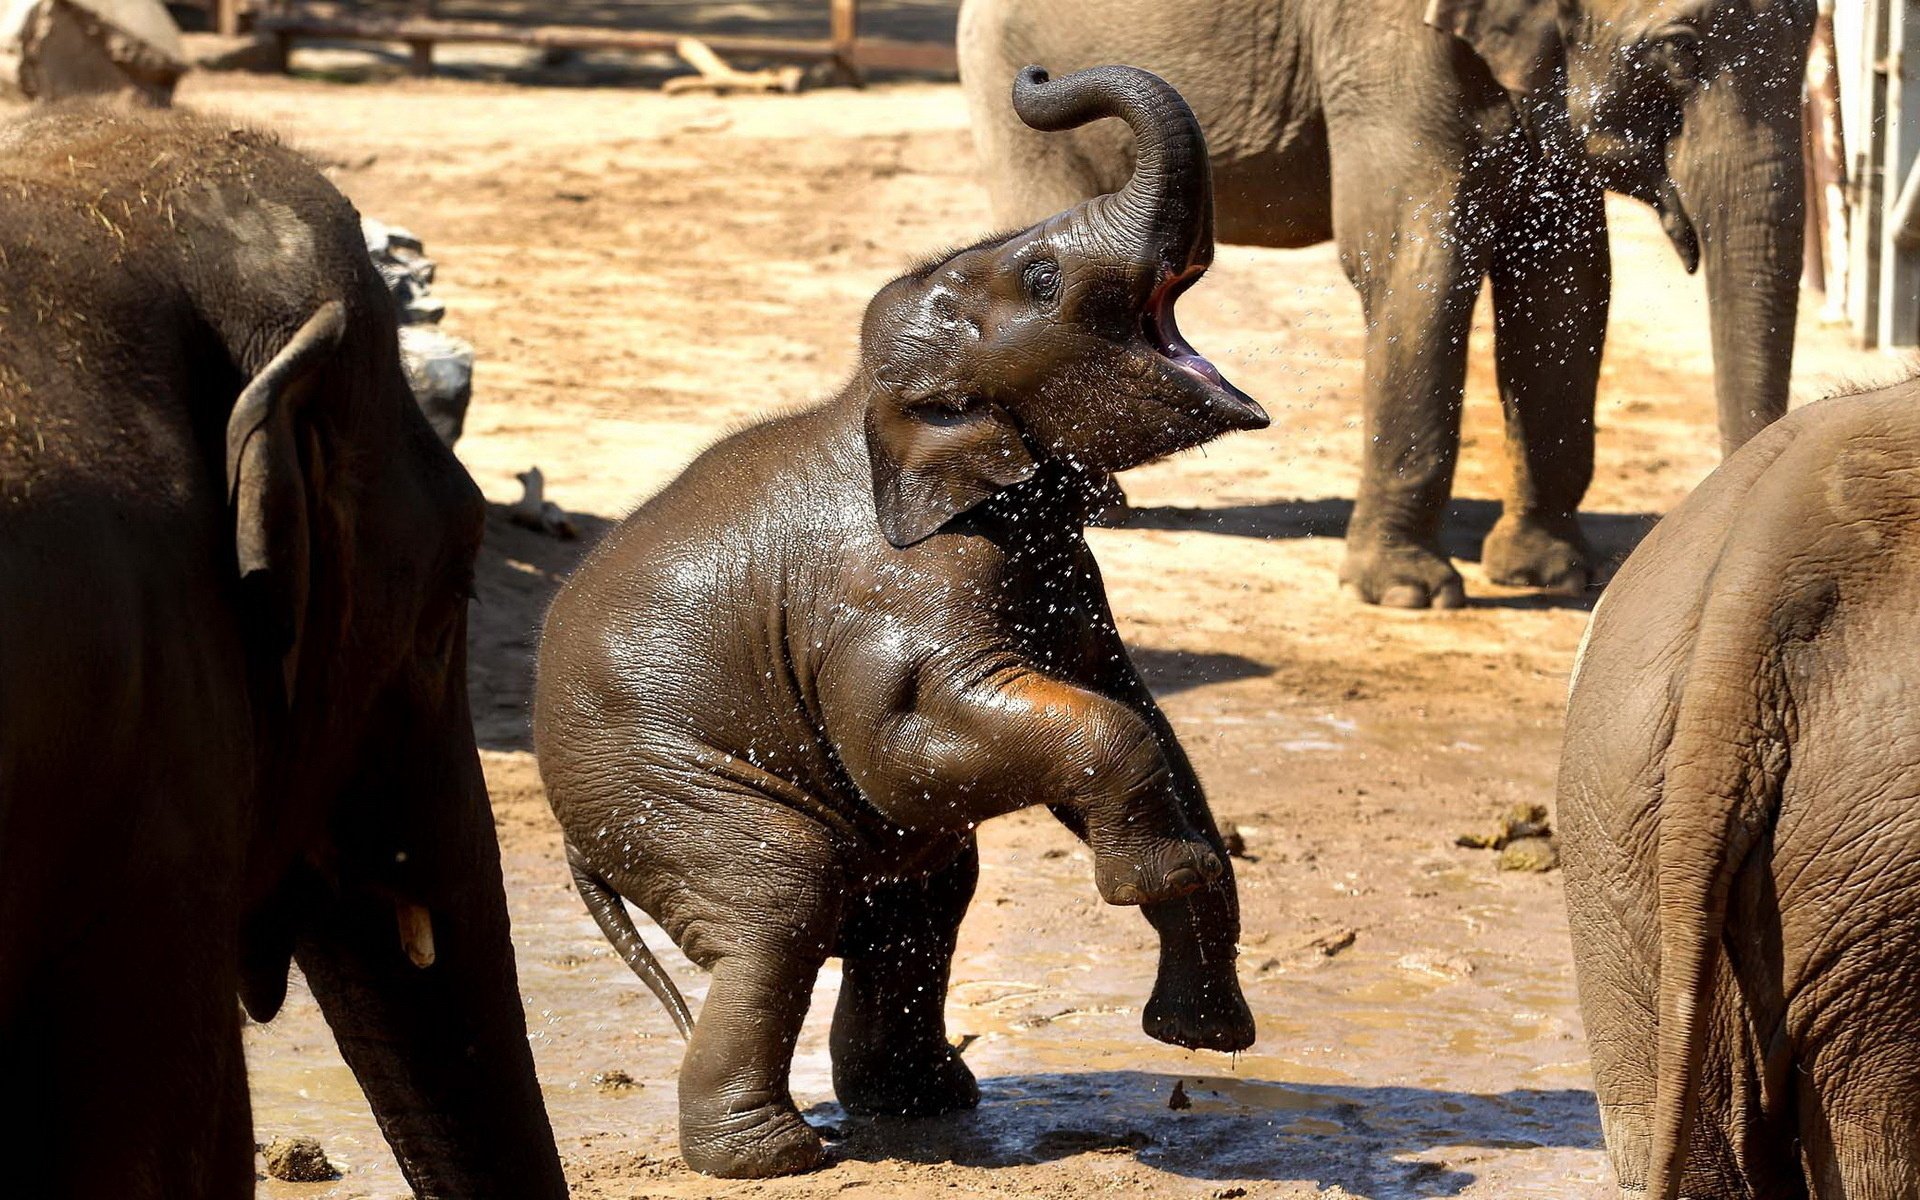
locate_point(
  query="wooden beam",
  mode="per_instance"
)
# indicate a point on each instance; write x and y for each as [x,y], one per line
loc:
[226,17]
[843,24]
[865,53]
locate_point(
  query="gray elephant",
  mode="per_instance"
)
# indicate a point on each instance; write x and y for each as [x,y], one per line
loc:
[1437,153]
[1741,842]
[776,702]
[234,568]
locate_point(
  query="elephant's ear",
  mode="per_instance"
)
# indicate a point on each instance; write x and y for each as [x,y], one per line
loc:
[267,488]
[931,463]
[1519,40]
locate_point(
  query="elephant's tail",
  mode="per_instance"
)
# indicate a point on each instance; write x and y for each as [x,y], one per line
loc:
[610,912]
[1724,769]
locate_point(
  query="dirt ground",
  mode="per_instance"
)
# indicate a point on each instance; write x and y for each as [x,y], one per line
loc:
[639,274]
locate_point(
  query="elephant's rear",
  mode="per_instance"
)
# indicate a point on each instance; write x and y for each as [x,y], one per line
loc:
[1678,763]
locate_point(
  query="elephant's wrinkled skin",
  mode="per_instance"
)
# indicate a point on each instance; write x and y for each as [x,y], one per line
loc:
[1741,840]
[773,721]
[1436,153]
[233,717]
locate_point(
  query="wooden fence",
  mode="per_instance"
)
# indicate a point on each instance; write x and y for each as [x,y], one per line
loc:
[420,29]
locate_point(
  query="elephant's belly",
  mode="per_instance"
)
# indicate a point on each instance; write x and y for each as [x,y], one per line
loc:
[1282,198]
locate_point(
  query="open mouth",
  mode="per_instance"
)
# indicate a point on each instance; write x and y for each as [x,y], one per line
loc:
[1163,334]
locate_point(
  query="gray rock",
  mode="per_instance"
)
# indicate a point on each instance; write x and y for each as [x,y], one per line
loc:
[440,370]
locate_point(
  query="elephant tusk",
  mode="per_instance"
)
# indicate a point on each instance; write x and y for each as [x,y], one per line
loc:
[416,933]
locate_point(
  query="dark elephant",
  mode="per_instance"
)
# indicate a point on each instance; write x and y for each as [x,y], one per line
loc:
[234,567]
[1437,153]
[1737,811]
[776,702]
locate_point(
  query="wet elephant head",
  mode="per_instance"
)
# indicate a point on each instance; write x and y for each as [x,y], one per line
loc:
[1692,106]
[374,862]
[1057,342]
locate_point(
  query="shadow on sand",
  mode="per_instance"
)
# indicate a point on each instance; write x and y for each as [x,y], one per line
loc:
[1613,535]
[1367,1140]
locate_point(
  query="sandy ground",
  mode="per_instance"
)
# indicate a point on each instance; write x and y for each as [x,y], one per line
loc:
[639,274]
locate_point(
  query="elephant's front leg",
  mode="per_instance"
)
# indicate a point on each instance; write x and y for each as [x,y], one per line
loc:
[737,1117]
[1551,278]
[890,1051]
[1417,260]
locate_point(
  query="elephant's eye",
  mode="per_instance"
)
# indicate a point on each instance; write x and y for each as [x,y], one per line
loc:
[1677,55]
[1041,278]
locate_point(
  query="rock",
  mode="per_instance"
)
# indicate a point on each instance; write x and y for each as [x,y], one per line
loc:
[298,1160]
[1530,854]
[439,366]
[1445,966]
[1178,1101]
[1330,944]
[1236,840]
[534,511]
[439,369]
[616,1081]
[53,49]
[1520,821]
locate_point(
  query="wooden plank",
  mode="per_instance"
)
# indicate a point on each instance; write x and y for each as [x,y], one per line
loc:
[1899,316]
[843,30]
[1860,34]
[867,53]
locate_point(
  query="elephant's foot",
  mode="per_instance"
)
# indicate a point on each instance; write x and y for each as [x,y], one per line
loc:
[928,1082]
[719,1137]
[1539,552]
[1139,869]
[1400,574]
[1199,1007]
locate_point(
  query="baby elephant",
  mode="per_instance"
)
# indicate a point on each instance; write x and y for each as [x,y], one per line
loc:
[776,703]
[1738,798]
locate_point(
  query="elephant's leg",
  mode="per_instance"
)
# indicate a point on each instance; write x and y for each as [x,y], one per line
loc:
[136,1080]
[890,1049]
[1417,261]
[737,1118]
[1860,1132]
[1551,278]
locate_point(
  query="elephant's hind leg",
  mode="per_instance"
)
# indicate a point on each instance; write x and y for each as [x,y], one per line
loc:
[1861,1141]
[1551,279]
[890,1051]
[771,895]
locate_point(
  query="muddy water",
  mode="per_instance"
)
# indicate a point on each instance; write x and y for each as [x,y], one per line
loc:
[1435,1054]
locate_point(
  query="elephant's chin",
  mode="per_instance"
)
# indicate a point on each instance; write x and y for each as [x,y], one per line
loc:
[1199,1014]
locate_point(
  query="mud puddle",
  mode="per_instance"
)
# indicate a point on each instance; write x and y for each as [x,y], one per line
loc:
[1415,1009]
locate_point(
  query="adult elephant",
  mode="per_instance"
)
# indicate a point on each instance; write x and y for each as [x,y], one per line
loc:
[1737,813]
[234,567]
[1476,142]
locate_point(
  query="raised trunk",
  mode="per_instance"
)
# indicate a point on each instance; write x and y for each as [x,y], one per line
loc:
[1165,211]
[1738,168]
[421,993]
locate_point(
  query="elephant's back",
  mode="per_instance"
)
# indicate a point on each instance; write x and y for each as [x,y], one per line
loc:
[693,626]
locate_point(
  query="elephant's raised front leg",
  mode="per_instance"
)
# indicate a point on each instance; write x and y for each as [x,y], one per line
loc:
[1551,280]
[1417,261]
[890,1051]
